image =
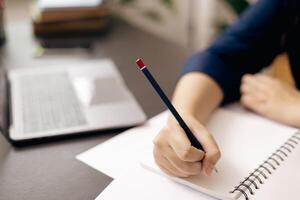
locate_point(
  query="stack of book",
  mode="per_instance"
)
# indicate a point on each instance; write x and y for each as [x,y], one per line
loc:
[75,20]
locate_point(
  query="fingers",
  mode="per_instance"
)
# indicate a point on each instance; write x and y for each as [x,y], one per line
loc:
[212,152]
[258,82]
[176,156]
[266,80]
[256,90]
[254,85]
[260,77]
[169,162]
[182,165]
[189,168]
[182,146]
[166,166]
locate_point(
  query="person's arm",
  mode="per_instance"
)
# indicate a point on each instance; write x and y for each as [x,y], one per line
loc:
[244,48]
[214,76]
[197,95]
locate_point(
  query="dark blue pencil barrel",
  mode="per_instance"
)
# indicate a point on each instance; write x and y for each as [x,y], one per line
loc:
[195,143]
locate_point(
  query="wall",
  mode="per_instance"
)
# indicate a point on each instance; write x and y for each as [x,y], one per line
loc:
[173,27]
[193,25]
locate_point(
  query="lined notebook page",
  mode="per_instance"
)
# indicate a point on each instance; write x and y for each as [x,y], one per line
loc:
[246,140]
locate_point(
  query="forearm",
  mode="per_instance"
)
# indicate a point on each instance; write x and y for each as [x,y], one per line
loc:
[197,95]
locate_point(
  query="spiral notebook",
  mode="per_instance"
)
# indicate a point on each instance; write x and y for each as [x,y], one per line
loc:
[256,152]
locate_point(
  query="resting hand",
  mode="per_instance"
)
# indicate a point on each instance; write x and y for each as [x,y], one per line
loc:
[176,157]
[271,98]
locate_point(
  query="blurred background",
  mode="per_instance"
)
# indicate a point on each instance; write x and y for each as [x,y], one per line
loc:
[119,29]
[43,33]
[191,24]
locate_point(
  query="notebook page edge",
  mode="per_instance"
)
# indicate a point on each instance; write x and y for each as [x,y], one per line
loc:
[187,183]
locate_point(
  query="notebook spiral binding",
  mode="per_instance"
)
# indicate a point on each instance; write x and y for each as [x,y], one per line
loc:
[261,173]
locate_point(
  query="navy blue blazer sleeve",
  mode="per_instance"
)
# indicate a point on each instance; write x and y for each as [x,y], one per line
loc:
[245,47]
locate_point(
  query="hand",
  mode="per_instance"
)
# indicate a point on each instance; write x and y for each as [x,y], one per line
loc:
[176,157]
[271,98]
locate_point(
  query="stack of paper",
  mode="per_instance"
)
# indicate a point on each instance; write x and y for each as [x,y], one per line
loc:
[145,185]
[123,153]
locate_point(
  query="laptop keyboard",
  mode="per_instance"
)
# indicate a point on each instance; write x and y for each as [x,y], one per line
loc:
[49,102]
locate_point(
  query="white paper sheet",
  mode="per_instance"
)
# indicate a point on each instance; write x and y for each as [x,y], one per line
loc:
[148,186]
[123,152]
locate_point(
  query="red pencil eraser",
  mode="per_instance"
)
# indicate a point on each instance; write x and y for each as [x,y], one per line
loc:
[140,63]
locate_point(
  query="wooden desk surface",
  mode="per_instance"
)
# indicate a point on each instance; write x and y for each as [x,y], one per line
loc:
[50,171]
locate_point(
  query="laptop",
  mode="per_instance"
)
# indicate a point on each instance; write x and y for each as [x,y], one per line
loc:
[68,99]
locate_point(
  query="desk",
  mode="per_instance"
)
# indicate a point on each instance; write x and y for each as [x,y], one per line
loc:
[50,171]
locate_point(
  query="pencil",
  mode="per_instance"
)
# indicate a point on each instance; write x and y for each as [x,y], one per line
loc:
[194,142]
